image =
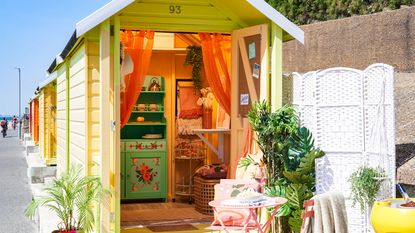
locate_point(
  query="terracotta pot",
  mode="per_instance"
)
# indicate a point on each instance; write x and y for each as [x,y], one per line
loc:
[207,118]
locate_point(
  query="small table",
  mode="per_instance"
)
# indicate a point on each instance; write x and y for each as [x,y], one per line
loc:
[221,132]
[275,202]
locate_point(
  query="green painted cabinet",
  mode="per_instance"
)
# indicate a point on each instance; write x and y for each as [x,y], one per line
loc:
[144,146]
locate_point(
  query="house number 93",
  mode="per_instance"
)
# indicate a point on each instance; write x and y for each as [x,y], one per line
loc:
[175,9]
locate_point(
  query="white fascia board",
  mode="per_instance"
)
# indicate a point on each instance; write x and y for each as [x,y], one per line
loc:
[278,19]
[100,16]
[51,77]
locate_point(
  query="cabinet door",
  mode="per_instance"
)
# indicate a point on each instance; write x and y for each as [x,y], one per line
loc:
[145,175]
[122,167]
[123,176]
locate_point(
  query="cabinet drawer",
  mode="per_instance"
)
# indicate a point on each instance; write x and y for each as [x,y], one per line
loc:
[145,145]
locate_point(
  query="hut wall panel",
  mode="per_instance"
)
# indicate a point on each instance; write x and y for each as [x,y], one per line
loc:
[93,106]
[46,121]
[41,123]
[77,80]
[61,120]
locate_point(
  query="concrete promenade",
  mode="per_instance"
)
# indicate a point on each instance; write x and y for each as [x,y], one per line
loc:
[15,191]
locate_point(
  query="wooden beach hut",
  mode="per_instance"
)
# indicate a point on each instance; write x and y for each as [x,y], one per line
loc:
[47,119]
[90,85]
[34,118]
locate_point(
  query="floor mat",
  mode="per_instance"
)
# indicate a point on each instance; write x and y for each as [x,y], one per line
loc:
[200,228]
[133,215]
[166,228]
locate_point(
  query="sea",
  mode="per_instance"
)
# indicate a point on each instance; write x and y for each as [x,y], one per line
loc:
[9,118]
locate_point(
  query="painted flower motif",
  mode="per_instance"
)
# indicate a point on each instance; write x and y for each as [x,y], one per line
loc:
[155,188]
[145,173]
[135,188]
[147,176]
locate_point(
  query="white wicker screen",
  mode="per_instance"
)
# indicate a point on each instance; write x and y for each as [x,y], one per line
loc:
[351,115]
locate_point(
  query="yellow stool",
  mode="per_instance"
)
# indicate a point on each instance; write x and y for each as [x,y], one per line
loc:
[386,217]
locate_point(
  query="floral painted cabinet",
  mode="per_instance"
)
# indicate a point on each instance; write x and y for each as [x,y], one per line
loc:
[144,145]
[144,169]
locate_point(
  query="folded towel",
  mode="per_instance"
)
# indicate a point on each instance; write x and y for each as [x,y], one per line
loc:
[330,213]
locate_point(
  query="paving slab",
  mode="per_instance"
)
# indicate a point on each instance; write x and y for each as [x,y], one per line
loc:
[15,192]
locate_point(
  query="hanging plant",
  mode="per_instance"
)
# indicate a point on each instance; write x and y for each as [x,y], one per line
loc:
[365,185]
[195,59]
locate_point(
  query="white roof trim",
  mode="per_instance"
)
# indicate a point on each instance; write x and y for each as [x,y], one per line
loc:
[100,16]
[278,19]
[51,77]
[114,6]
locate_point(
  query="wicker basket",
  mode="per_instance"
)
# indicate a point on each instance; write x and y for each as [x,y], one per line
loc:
[204,192]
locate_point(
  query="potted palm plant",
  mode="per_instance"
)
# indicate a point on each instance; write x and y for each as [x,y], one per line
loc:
[288,158]
[72,198]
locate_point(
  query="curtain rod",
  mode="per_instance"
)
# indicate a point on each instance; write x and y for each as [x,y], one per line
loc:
[123,30]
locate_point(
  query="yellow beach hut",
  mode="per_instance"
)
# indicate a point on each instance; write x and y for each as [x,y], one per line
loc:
[92,88]
[34,119]
[47,119]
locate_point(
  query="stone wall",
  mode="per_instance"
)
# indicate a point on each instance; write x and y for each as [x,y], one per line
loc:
[386,37]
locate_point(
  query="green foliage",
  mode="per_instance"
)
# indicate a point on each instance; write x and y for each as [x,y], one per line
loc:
[195,59]
[245,162]
[305,12]
[289,158]
[71,197]
[365,184]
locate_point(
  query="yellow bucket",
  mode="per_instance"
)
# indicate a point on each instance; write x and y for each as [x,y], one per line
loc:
[388,217]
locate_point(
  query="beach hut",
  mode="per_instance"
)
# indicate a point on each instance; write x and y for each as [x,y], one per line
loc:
[47,119]
[34,119]
[91,87]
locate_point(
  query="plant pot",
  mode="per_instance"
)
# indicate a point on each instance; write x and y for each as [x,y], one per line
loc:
[207,118]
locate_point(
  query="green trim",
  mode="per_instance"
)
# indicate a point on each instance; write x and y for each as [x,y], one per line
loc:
[276,67]
[67,115]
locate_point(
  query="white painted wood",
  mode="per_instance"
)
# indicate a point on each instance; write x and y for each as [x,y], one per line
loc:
[50,78]
[278,19]
[77,127]
[100,16]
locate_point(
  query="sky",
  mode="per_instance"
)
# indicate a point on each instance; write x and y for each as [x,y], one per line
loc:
[32,33]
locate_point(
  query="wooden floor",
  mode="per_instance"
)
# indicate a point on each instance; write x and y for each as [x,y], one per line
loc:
[148,214]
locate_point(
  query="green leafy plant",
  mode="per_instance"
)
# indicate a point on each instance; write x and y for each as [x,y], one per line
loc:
[365,185]
[305,12]
[289,158]
[72,198]
[195,59]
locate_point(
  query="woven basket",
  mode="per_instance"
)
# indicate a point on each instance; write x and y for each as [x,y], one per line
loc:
[204,192]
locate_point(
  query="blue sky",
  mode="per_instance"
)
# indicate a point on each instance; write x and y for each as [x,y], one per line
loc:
[33,32]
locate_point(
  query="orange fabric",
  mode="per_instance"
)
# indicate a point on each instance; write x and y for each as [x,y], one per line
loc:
[188,97]
[140,51]
[216,50]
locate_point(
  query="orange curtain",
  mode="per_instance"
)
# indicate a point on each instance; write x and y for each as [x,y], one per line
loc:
[138,46]
[216,50]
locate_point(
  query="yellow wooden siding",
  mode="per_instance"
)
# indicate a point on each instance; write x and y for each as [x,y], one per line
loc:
[49,120]
[61,120]
[77,127]
[41,124]
[93,111]
[46,116]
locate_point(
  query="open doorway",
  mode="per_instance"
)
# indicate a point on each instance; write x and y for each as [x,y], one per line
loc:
[160,153]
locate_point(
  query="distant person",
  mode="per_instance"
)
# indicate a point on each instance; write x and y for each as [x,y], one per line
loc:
[14,122]
[3,124]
